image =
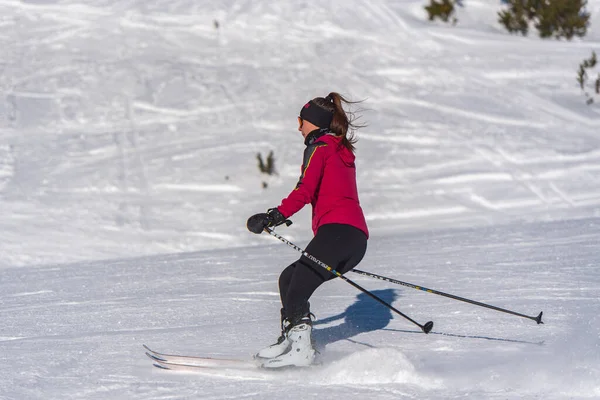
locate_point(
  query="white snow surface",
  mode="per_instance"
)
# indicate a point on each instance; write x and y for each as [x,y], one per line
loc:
[128,140]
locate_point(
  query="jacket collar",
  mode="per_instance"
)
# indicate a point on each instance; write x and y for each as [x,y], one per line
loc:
[314,135]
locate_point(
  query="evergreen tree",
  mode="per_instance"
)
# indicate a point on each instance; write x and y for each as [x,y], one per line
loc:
[558,18]
[443,10]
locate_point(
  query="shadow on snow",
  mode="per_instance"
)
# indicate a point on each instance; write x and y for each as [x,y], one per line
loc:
[366,315]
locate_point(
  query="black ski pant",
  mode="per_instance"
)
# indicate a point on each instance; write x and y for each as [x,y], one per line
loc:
[339,246]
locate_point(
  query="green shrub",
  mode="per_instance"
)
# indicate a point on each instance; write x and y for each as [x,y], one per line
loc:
[563,18]
[443,10]
[267,167]
[516,18]
[558,18]
[583,77]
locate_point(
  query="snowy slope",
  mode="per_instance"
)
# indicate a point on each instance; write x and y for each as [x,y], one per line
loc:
[128,137]
[131,128]
[76,331]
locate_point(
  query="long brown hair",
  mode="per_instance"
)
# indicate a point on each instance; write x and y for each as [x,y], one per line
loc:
[344,122]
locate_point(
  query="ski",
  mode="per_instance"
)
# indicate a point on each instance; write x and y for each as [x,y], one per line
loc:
[188,367]
[175,361]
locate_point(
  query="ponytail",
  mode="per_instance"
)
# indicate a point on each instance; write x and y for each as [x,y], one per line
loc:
[343,123]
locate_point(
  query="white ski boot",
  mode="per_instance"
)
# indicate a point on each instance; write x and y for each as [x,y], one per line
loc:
[282,344]
[299,352]
[276,349]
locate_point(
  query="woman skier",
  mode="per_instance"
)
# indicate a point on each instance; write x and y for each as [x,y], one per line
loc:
[328,183]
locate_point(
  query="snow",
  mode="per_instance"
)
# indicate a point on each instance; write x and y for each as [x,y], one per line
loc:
[128,141]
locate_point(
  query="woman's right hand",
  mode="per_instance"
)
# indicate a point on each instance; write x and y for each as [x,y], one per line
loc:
[258,222]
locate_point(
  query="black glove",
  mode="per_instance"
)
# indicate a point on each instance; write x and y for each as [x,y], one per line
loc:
[258,222]
[277,216]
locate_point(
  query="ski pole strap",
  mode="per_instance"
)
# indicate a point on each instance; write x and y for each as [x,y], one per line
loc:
[537,319]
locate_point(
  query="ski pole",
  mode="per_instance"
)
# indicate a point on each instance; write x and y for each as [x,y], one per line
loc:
[426,328]
[537,319]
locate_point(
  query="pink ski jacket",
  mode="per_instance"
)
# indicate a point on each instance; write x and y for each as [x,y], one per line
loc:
[328,183]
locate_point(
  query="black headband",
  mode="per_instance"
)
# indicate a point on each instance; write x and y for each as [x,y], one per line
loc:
[316,115]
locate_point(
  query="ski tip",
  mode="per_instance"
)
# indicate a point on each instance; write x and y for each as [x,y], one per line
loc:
[160,366]
[154,357]
[427,327]
[538,319]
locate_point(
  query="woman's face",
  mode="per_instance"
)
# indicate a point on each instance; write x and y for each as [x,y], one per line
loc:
[305,127]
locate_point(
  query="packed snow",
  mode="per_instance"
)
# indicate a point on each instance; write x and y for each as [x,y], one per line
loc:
[128,140]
